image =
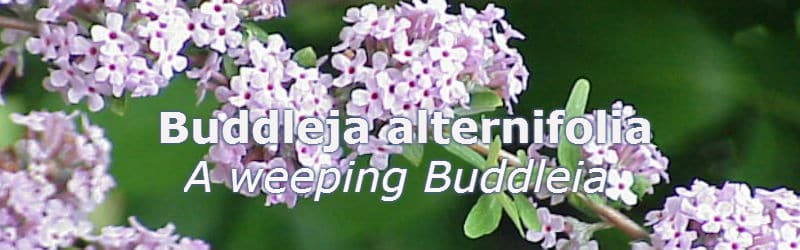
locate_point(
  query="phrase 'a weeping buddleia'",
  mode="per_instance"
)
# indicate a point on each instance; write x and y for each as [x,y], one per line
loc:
[281,127]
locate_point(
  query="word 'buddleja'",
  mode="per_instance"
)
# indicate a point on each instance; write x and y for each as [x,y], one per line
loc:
[134,47]
[53,178]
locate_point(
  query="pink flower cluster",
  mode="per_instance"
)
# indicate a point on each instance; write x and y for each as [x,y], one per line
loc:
[552,226]
[731,217]
[137,47]
[423,57]
[50,182]
[395,61]
[269,79]
[625,161]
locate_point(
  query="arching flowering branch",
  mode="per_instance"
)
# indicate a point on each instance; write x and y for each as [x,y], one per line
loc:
[53,178]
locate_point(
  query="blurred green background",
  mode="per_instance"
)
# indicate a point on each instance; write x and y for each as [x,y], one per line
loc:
[717,79]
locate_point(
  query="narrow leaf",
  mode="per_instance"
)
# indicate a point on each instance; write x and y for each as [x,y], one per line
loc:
[229,67]
[466,154]
[511,210]
[568,153]
[527,212]
[494,152]
[483,218]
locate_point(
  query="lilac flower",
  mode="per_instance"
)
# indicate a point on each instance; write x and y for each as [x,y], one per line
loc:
[380,151]
[139,237]
[266,9]
[205,74]
[619,187]
[730,217]
[59,178]
[352,69]
[269,79]
[643,160]
[551,225]
[48,43]
[113,38]
[600,154]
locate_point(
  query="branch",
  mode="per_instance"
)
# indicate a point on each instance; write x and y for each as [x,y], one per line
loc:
[18,24]
[609,214]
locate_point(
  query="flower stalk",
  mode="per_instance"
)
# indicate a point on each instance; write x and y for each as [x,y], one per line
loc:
[18,24]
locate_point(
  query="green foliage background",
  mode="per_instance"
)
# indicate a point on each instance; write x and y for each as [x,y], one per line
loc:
[717,79]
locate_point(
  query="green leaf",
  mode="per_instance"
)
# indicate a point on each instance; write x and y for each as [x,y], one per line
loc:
[494,152]
[641,185]
[306,57]
[527,212]
[483,218]
[511,210]
[466,154]
[253,31]
[119,105]
[480,102]
[9,131]
[523,157]
[568,153]
[229,67]
[413,153]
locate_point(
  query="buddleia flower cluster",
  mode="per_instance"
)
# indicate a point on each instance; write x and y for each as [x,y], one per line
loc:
[53,178]
[417,56]
[268,79]
[119,48]
[733,216]
[633,170]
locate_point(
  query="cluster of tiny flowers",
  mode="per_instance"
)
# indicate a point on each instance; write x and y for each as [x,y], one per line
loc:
[731,217]
[578,234]
[269,79]
[417,56]
[626,161]
[52,179]
[623,161]
[136,47]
